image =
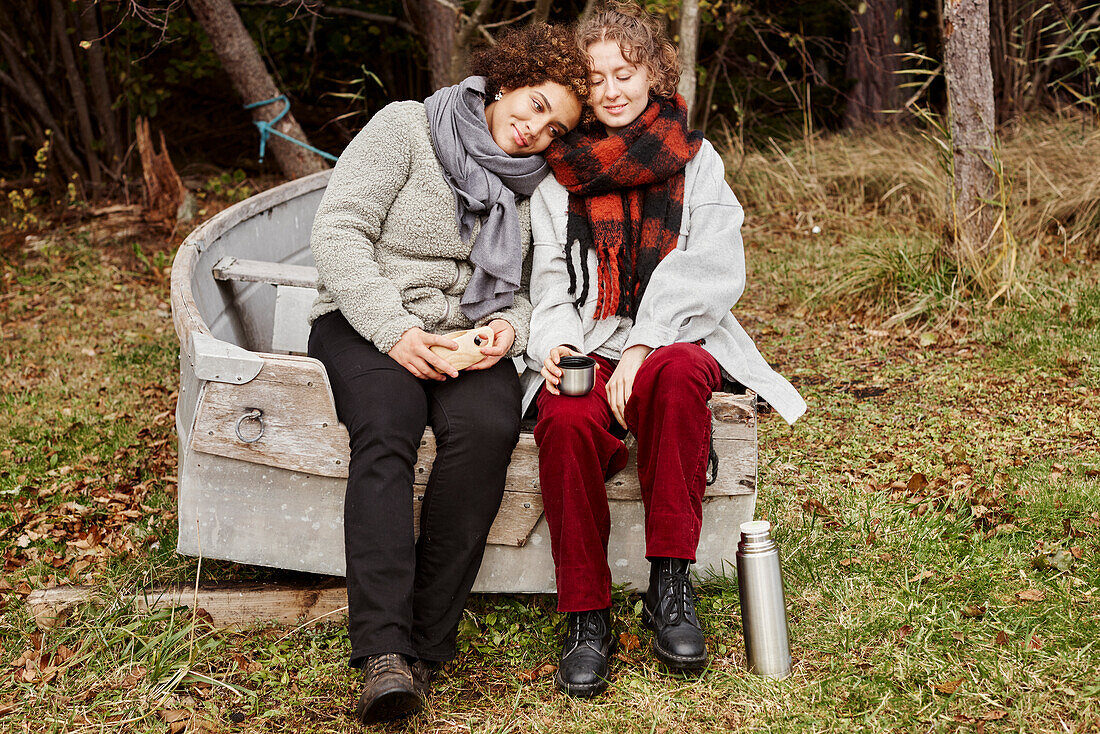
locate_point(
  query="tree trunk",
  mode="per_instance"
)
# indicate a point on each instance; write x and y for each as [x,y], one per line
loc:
[438,26]
[76,88]
[100,87]
[6,127]
[253,83]
[589,8]
[22,84]
[542,11]
[874,63]
[972,120]
[689,45]
[467,29]
[164,191]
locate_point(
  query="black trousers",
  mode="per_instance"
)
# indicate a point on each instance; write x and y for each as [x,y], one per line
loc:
[407,596]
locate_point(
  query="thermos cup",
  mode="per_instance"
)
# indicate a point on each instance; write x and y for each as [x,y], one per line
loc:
[763,605]
[578,375]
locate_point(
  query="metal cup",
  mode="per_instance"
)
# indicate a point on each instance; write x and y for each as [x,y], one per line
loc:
[578,375]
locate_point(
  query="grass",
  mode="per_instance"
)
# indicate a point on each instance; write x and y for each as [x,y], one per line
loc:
[938,507]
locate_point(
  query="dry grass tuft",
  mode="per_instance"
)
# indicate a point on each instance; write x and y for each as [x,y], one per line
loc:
[896,173]
[881,198]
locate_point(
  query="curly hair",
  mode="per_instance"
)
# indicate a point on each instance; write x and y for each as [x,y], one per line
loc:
[529,56]
[642,39]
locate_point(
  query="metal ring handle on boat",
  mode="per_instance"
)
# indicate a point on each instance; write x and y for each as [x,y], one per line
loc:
[257,415]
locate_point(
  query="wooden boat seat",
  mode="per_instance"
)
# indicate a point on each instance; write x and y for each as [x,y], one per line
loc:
[263,456]
[295,290]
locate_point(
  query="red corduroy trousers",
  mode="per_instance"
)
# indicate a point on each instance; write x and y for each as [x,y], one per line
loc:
[668,414]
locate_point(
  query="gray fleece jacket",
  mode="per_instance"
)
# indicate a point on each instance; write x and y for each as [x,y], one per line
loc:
[386,240]
[689,297]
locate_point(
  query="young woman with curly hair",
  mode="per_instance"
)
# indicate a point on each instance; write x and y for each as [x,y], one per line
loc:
[637,263]
[422,231]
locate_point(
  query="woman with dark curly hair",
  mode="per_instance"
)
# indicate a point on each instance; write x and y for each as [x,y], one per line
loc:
[422,231]
[637,263]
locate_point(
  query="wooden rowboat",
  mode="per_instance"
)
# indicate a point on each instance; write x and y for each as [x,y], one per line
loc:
[263,458]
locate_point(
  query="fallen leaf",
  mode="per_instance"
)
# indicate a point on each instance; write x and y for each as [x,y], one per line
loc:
[1001,639]
[994,715]
[62,654]
[1062,560]
[973,610]
[1031,595]
[1034,643]
[533,674]
[629,642]
[958,636]
[176,719]
[133,677]
[949,687]
[1071,532]
[904,631]
[917,482]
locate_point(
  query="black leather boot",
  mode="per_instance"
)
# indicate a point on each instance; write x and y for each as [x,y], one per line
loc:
[389,691]
[582,670]
[669,610]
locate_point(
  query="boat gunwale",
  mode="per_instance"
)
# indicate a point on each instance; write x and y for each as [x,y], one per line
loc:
[186,315]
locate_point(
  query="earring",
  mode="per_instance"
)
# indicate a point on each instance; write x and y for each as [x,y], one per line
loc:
[499,96]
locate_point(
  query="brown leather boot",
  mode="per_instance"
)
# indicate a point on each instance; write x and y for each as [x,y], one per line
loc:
[389,691]
[423,673]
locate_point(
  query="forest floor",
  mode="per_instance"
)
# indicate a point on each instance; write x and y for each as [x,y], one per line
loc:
[938,507]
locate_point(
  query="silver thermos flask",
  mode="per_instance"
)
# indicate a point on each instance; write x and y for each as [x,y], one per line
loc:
[763,606]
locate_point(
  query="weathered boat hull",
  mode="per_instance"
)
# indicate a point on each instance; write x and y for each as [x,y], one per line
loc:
[278,500]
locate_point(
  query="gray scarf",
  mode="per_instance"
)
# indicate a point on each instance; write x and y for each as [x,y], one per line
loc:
[485,181]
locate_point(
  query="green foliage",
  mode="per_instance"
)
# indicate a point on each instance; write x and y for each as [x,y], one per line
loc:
[174,52]
[1076,36]
[232,186]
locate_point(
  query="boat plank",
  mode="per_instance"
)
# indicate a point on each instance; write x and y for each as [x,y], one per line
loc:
[301,433]
[263,271]
[232,605]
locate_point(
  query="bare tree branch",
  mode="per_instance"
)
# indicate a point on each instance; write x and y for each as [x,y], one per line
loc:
[372,17]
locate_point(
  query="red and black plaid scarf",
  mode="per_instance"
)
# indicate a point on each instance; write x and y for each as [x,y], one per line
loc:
[626,198]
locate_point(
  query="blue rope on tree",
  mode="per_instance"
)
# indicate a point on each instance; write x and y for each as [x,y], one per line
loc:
[268,128]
